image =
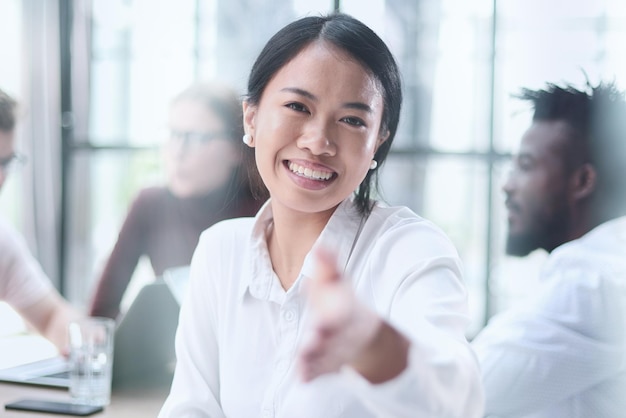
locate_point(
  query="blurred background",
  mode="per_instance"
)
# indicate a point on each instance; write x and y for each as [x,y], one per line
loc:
[94,79]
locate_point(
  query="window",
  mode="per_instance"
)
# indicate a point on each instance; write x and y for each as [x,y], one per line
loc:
[461,62]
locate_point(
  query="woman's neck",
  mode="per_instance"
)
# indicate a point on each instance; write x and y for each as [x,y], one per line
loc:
[290,238]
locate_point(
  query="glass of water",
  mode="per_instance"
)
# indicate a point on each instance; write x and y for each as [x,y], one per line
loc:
[91,360]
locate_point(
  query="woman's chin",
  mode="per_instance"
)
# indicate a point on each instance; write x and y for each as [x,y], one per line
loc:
[182,191]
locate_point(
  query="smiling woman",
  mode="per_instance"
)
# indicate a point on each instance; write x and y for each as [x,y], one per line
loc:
[367,329]
[330,124]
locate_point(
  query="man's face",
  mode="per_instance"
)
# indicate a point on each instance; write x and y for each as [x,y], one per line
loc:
[537,190]
[7,151]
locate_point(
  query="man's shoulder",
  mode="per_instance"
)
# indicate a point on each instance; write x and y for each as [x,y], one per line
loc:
[9,236]
[600,251]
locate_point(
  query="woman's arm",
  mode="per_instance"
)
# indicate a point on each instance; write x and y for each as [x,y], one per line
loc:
[345,332]
[122,261]
[415,361]
[195,388]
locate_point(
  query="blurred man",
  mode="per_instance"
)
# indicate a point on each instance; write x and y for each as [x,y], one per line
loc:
[562,354]
[23,284]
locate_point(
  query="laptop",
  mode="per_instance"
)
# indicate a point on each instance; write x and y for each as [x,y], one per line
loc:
[177,279]
[143,345]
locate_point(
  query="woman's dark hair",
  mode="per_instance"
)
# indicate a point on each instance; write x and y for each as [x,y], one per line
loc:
[357,40]
[225,103]
[221,100]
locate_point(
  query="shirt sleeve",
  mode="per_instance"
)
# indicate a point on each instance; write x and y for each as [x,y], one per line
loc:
[195,388]
[22,280]
[413,279]
[122,261]
[442,377]
[568,339]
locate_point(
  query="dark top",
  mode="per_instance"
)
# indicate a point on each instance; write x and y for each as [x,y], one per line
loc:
[166,229]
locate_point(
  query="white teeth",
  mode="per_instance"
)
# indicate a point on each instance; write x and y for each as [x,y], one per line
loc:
[307,172]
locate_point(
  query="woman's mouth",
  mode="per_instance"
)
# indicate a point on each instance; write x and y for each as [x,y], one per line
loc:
[309,173]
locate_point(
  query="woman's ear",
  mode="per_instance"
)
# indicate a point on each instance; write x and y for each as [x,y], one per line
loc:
[249,119]
[382,137]
[583,181]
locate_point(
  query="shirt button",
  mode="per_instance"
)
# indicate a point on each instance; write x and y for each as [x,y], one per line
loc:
[267,413]
[289,316]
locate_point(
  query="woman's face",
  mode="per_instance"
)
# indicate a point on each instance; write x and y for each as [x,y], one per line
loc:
[199,157]
[316,129]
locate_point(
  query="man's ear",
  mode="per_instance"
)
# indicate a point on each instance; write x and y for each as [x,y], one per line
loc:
[583,181]
[249,120]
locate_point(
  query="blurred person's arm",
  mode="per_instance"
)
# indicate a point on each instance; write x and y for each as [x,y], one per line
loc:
[27,289]
[122,261]
[51,316]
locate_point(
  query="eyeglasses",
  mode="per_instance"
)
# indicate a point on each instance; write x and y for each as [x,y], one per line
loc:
[9,163]
[194,138]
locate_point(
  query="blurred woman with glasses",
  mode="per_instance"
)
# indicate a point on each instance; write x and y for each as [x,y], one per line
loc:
[206,183]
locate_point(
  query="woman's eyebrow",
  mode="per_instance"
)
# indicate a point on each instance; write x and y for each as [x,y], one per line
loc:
[300,92]
[311,96]
[358,106]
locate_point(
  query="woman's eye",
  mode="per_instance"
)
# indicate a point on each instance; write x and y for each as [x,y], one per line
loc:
[353,121]
[523,164]
[297,107]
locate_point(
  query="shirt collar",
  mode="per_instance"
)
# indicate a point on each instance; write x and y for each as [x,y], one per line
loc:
[614,227]
[259,280]
[610,234]
[339,236]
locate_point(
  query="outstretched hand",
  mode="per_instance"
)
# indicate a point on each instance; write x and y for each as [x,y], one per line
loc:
[340,327]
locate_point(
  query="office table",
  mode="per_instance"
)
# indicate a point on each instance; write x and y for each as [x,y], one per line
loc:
[131,402]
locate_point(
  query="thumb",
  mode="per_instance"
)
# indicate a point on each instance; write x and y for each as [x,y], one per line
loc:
[326,271]
[325,288]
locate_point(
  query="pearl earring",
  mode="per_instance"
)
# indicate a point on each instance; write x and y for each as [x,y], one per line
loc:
[247,139]
[373,164]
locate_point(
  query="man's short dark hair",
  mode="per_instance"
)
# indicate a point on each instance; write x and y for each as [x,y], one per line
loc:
[7,112]
[597,120]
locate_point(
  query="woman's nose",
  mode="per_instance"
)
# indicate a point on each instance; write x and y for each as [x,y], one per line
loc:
[318,139]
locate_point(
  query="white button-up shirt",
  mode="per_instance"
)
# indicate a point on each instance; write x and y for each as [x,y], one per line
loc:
[239,330]
[563,353]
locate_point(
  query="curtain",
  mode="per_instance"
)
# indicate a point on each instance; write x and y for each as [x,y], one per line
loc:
[41,135]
